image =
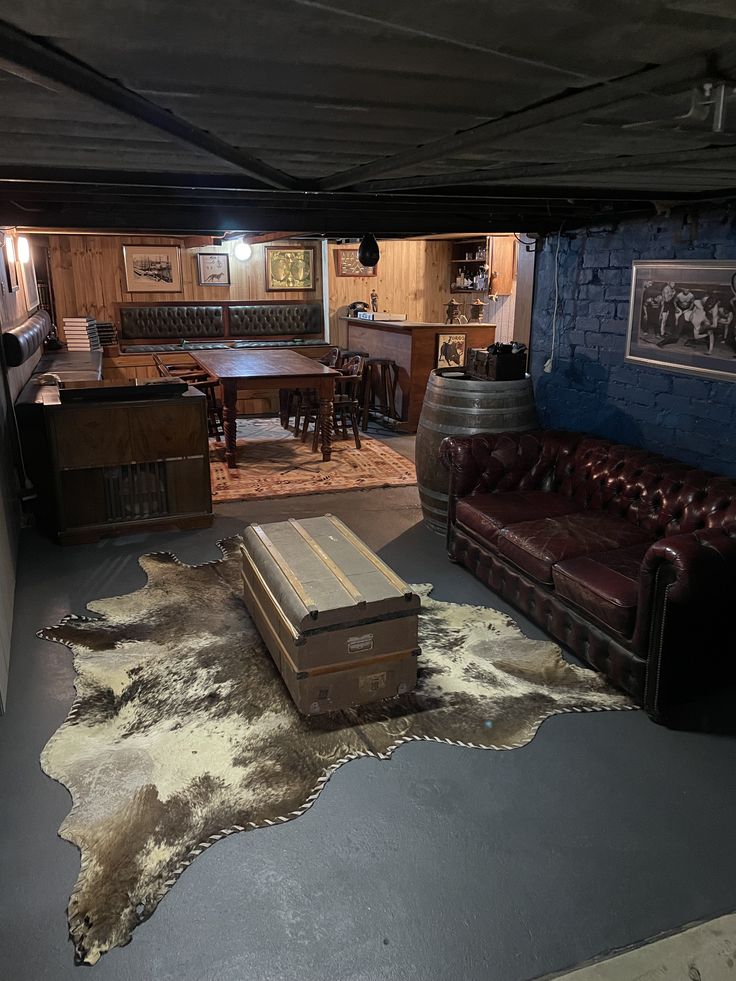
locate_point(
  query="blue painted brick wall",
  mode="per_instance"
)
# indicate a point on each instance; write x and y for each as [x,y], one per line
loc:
[591,388]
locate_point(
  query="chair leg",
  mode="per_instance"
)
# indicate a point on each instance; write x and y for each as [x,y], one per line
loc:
[391,372]
[305,426]
[367,396]
[315,438]
[354,421]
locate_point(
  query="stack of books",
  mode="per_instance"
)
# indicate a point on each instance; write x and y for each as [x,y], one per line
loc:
[81,334]
[106,333]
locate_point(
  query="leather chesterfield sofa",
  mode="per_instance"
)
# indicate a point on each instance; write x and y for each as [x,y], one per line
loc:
[626,558]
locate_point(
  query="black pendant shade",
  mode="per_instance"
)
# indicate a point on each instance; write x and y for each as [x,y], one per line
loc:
[368,253]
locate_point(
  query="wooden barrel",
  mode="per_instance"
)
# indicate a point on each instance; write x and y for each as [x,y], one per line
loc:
[457,405]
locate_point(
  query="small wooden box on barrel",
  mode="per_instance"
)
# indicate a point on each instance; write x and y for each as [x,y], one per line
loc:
[340,625]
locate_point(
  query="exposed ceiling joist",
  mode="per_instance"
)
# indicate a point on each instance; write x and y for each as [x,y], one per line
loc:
[565,107]
[540,170]
[23,56]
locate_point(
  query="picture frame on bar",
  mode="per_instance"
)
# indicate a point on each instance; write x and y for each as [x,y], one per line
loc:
[289,269]
[347,263]
[213,268]
[450,350]
[682,317]
[152,268]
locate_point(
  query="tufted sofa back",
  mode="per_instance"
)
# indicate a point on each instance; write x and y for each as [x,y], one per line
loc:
[259,320]
[663,496]
[170,321]
[666,497]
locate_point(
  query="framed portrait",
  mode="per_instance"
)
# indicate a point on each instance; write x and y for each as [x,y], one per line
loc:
[682,317]
[30,285]
[289,269]
[213,269]
[347,263]
[9,264]
[152,268]
[450,351]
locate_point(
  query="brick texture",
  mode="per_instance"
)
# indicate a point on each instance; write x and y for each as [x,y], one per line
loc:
[591,387]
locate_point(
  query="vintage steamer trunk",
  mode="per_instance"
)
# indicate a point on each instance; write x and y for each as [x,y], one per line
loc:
[340,625]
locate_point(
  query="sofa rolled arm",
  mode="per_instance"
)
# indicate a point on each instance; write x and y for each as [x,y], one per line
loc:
[487,462]
[687,587]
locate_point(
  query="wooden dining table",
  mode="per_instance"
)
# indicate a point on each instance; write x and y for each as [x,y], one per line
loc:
[247,369]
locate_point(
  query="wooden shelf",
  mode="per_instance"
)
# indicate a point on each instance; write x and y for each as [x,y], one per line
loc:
[465,261]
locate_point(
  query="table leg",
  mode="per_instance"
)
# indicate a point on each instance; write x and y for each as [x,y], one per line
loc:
[326,412]
[230,413]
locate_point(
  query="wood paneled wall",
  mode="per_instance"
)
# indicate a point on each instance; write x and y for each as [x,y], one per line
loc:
[88,276]
[413,277]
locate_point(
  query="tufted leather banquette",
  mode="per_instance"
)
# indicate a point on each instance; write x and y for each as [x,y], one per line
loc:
[259,320]
[626,557]
[21,343]
[225,323]
[161,322]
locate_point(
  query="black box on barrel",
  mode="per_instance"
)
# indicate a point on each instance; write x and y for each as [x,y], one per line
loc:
[341,626]
[496,365]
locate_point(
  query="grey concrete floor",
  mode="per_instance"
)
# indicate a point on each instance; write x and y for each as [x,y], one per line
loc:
[443,863]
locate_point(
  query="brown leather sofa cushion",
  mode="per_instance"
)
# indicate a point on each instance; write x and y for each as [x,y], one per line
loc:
[535,546]
[604,585]
[20,343]
[484,515]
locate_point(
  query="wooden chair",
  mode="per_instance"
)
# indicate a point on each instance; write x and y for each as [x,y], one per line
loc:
[203,381]
[292,400]
[346,404]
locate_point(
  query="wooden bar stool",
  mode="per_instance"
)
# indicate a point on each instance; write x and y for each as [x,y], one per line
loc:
[205,383]
[381,376]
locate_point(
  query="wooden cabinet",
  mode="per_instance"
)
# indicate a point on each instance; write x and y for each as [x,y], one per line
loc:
[115,467]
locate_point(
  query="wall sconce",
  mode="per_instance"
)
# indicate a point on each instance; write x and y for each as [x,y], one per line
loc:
[10,248]
[24,249]
[243,251]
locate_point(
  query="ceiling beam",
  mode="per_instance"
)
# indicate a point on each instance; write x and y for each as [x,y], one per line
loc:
[27,58]
[564,107]
[486,178]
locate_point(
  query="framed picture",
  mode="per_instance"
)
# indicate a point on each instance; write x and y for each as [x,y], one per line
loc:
[213,269]
[152,268]
[11,269]
[347,263]
[289,269]
[682,317]
[450,351]
[30,286]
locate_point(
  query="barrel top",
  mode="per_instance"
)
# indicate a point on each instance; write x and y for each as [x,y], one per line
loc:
[464,382]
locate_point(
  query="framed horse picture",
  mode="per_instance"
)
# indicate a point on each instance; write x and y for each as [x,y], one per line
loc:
[682,317]
[450,351]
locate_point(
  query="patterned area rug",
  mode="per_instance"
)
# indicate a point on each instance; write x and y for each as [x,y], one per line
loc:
[182,732]
[272,463]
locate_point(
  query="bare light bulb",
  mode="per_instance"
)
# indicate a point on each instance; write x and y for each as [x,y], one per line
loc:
[243,251]
[24,249]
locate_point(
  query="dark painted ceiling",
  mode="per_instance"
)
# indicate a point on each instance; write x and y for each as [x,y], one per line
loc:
[391,115]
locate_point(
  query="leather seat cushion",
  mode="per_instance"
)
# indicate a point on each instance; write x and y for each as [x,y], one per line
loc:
[604,585]
[535,546]
[484,515]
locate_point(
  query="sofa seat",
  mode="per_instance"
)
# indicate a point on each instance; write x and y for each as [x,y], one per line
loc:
[536,546]
[485,515]
[605,584]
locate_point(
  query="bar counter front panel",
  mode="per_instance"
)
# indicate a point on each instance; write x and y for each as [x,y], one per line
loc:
[413,347]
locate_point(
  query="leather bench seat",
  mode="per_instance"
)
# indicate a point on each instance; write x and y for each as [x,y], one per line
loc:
[536,546]
[605,584]
[485,515]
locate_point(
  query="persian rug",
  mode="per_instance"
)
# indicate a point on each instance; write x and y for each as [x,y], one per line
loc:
[182,732]
[271,462]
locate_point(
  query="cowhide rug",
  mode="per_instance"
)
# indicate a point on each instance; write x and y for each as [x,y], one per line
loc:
[182,732]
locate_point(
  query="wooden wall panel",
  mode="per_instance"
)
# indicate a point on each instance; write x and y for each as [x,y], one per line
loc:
[412,278]
[88,275]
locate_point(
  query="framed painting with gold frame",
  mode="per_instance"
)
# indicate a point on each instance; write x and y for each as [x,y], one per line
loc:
[30,286]
[289,269]
[11,269]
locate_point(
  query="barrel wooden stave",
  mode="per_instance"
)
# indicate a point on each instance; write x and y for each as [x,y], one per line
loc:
[457,405]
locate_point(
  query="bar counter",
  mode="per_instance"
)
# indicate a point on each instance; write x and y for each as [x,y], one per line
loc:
[413,347]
